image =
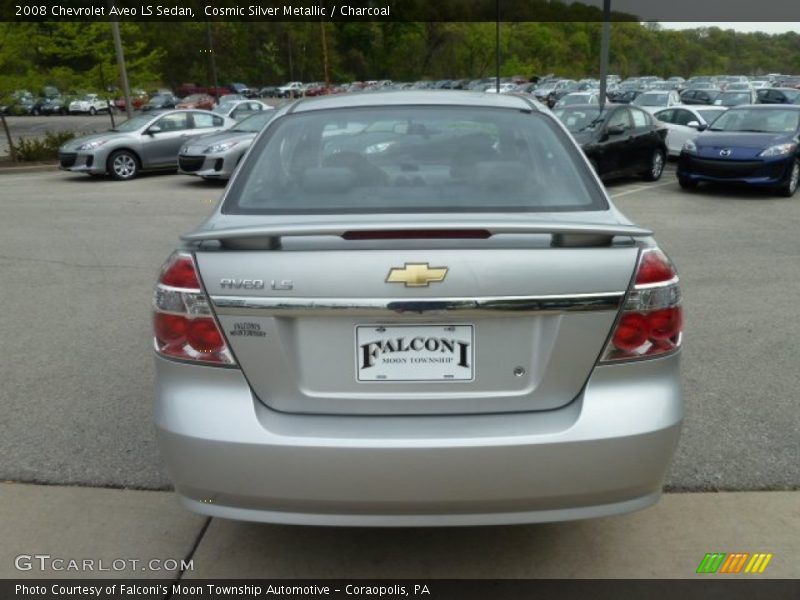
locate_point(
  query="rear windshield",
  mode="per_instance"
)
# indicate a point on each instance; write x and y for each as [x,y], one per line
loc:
[413,159]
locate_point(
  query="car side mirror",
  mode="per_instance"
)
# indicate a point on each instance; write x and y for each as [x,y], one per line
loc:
[615,130]
[694,125]
[153,129]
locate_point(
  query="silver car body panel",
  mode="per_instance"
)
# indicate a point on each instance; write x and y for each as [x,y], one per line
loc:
[605,453]
[294,434]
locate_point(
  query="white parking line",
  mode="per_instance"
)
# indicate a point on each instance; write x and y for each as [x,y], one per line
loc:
[642,188]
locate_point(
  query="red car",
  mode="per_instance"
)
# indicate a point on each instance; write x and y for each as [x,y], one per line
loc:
[201,101]
[137,100]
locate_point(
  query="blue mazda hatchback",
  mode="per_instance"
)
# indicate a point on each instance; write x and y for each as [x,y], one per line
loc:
[755,145]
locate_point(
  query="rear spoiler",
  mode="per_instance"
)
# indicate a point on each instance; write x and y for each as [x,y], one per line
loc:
[564,233]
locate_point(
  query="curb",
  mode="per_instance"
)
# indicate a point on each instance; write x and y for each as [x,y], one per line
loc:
[28,169]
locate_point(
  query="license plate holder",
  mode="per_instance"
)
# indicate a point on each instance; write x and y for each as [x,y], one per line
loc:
[415,353]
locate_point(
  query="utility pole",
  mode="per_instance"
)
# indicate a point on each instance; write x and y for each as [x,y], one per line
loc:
[324,51]
[497,46]
[604,49]
[123,72]
[213,61]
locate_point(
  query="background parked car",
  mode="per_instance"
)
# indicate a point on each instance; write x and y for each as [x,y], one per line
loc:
[57,105]
[778,96]
[618,140]
[653,100]
[201,101]
[754,145]
[90,104]
[240,109]
[160,102]
[699,96]
[685,122]
[269,91]
[735,97]
[138,98]
[145,142]
[216,155]
[242,89]
[290,90]
[578,98]
[622,96]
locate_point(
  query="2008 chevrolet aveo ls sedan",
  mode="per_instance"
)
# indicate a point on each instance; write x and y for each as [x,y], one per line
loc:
[417,308]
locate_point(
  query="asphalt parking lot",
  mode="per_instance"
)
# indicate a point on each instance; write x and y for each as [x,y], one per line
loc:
[79,257]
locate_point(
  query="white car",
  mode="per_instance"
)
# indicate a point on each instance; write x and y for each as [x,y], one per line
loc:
[684,122]
[291,89]
[652,101]
[241,109]
[90,104]
[578,98]
[504,88]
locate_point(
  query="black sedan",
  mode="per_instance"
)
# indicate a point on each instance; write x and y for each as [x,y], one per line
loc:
[699,96]
[756,145]
[618,140]
[778,96]
[160,102]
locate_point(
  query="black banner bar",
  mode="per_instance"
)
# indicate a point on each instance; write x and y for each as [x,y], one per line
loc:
[715,587]
[400,10]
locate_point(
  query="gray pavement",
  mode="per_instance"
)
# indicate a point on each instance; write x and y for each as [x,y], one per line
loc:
[738,256]
[79,257]
[666,541]
[101,525]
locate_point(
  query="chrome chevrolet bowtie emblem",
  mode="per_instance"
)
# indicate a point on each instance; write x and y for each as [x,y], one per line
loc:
[416,274]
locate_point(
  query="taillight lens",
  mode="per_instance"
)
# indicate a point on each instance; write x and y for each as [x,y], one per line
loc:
[651,323]
[182,322]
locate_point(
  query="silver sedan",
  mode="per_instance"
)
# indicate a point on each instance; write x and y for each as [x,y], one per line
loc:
[146,142]
[241,109]
[417,308]
[216,155]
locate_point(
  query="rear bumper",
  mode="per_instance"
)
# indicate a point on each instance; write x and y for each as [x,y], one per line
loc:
[605,453]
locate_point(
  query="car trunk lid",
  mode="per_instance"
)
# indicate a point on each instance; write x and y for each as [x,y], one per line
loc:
[511,322]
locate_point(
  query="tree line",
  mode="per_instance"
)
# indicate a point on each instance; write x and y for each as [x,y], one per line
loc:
[80,56]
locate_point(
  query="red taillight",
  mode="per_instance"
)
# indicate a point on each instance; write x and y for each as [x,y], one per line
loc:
[204,336]
[180,272]
[651,323]
[183,324]
[665,324]
[654,267]
[631,332]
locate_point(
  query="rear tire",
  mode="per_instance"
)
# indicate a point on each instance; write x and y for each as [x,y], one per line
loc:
[123,165]
[790,187]
[656,168]
[687,184]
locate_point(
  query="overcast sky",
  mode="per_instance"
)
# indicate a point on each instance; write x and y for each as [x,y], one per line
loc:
[743,27]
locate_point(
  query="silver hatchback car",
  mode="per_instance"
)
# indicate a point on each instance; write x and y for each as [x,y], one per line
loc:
[147,142]
[417,308]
